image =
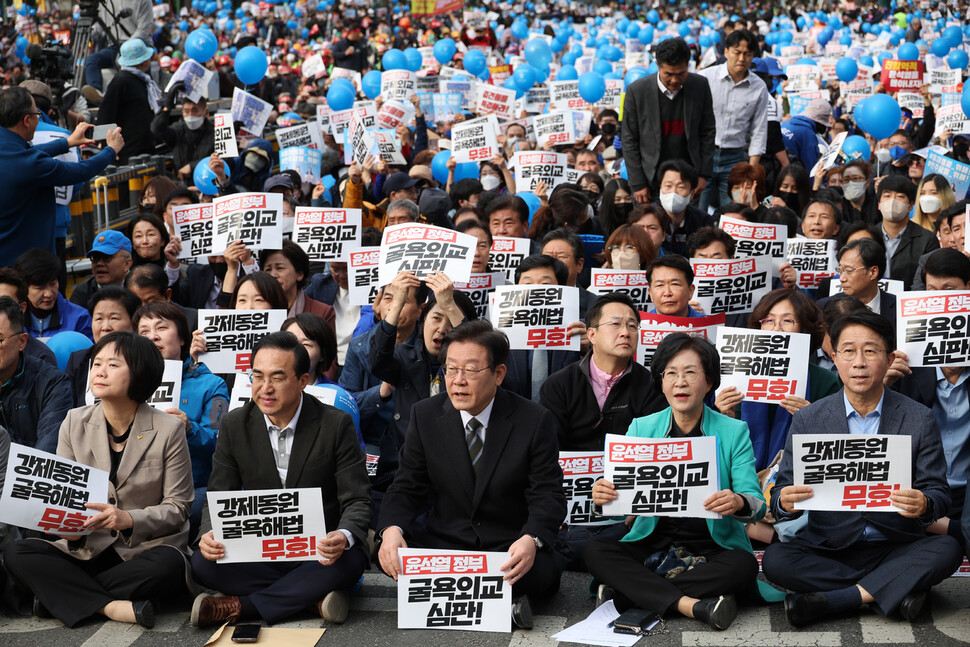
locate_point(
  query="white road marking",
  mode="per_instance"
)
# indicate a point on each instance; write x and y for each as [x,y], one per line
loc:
[114,634]
[540,635]
[25,625]
[950,613]
[879,630]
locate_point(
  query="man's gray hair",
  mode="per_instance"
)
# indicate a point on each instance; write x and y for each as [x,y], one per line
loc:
[408,205]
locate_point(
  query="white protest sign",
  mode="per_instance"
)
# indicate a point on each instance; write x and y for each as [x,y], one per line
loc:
[813,260]
[45,492]
[536,316]
[195,78]
[268,525]
[393,113]
[62,194]
[451,589]
[323,117]
[242,391]
[913,102]
[496,101]
[360,141]
[892,286]
[305,161]
[554,127]
[661,477]
[225,135]
[299,135]
[388,145]
[953,119]
[564,95]
[424,249]
[479,289]
[611,98]
[398,84]
[362,276]
[731,286]
[231,334]
[830,157]
[193,227]
[475,140]
[254,218]
[933,328]
[655,326]
[533,167]
[757,239]
[312,66]
[250,110]
[851,471]
[327,234]
[579,471]
[446,106]
[168,393]
[632,283]
[506,254]
[764,366]
[536,98]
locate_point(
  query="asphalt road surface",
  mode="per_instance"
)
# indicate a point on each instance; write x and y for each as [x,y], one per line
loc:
[373,622]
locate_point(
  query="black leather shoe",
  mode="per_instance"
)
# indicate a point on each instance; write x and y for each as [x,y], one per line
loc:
[719,613]
[803,609]
[911,606]
[144,613]
[522,613]
[604,593]
[40,611]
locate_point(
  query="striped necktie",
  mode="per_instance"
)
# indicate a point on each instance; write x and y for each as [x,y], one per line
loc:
[475,443]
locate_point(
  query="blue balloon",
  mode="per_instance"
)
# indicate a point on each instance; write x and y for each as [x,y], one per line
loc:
[530,198]
[878,115]
[954,35]
[825,36]
[883,56]
[250,64]
[64,343]
[184,25]
[340,98]
[525,77]
[662,26]
[201,45]
[509,84]
[602,67]
[567,73]
[634,74]
[941,47]
[653,17]
[484,74]
[413,59]
[292,25]
[344,401]
[592,87]
[908,52]
[394,59]
[520,30]
[466,170]
[846,40]
[633,30]
[856,144]
[475,62]
[556,46]
[439,166]
[543,74]
[613,53]
[867,61]
[683,29]
[204,178]
[957,59]
[538,53]
[846,69]
[371,84]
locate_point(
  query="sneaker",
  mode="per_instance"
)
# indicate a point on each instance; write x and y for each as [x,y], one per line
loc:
[92,95]
[335,607]
[210,610]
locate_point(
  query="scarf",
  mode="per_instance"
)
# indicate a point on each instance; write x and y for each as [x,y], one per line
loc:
[154,92]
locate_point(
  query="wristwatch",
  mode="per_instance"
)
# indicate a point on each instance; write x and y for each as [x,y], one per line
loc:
[539,543]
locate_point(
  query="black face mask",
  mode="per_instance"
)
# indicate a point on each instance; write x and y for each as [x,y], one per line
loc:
[622,211]
[960,148]
[591,197]
[608,129]
[220,270]
[791,200]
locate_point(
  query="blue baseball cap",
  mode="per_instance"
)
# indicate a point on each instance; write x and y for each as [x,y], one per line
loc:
[110,242]
[769,66]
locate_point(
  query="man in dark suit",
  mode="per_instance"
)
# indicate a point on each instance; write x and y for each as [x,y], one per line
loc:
[862,262]
[284,438]
[668,115]
[905,240]
[838,561]
[486,461]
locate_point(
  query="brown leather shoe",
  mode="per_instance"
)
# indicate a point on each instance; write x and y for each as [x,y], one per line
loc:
[211,610]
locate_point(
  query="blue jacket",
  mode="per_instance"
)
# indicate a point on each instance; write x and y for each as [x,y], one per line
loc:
[64,316]
[356,377]
[801,140]
[34,403]
[204,400]
[63,211]
[28,175]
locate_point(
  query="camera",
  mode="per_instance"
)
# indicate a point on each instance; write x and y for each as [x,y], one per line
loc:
[50,64]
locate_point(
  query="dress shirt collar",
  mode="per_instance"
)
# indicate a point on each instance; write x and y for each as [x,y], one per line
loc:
[664,91]
[850,410]
[291,424]
[483,416]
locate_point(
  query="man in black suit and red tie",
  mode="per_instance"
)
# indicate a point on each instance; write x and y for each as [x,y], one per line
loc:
[487,462]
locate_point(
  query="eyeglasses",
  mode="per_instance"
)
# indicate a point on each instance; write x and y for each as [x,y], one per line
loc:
[785,324]
[848,271]
[869,354]
[688,376]
[11,337]
[34,114]
[470,374]
[614,326]
[625,248]
[276,380]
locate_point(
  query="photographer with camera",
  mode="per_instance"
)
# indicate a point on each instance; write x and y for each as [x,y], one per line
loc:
[29,174]
[192,138]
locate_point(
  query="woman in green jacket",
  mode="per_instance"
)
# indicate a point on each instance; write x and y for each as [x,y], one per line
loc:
[705,562]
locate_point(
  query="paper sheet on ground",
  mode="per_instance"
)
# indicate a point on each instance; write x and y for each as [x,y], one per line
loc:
[596,629]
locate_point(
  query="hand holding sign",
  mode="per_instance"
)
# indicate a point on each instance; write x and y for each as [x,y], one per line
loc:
[724,502]
[603,492]
[910,503]
[110,517]
[792,494]
[211,549]
[331,547]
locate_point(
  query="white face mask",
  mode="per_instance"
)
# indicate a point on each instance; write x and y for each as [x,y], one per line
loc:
[254,163]
[490,182]
[624,260]
[288,222]
[737,195]
[893,210]
[853,190]
[929,203]
[883,155]
[193,123]
[674,202]
[470,33]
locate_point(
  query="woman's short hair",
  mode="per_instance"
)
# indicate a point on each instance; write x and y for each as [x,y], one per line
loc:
[807,312]
[152,220]
[743,172]
[297,257]
[680,341]
[145,363]
[317,330]
[465,225]
[636,236]
[170,312]
[269,288]
[124,296]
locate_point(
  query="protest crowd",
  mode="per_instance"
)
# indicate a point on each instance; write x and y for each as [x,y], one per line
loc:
[472,295]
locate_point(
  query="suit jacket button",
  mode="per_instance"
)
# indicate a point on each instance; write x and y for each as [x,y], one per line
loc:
[114,533]
[111,500]
[397,416]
